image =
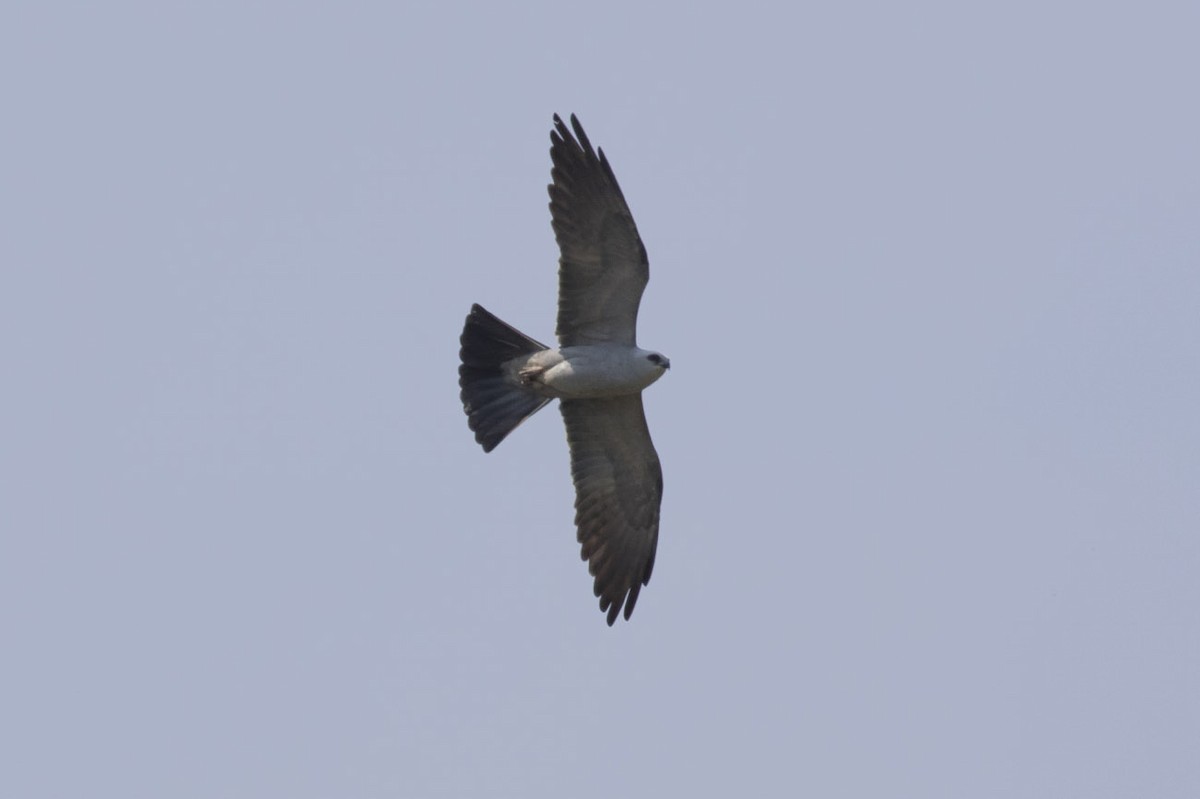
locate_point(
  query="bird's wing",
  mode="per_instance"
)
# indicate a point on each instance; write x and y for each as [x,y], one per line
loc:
[603,267]
[618,490]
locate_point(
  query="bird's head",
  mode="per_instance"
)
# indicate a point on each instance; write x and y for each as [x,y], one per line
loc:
[659,360]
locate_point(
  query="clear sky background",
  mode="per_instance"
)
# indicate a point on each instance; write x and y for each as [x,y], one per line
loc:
[929,278]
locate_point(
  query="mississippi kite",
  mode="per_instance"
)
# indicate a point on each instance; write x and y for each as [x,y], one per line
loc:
[597,372]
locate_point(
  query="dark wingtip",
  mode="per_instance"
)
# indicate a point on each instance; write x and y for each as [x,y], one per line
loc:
[560,133]
[622,607]
[631,600]
[584,143]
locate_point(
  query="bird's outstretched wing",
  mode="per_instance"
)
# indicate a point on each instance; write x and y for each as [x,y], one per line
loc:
[603,268]
[618,491]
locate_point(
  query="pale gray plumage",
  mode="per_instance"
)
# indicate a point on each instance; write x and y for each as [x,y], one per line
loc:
[598,372]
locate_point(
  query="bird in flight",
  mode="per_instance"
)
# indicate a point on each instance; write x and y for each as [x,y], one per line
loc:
[597,372]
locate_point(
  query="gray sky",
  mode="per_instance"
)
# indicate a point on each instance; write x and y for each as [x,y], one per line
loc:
[929,279]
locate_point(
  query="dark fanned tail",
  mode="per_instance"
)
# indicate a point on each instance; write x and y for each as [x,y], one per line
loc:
[494,406]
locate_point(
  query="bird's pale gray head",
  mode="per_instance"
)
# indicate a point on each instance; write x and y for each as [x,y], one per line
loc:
[659,360]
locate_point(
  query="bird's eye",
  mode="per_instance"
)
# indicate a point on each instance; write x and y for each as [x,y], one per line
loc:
[654,359]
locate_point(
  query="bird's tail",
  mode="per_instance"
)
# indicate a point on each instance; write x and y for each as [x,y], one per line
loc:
[493,405]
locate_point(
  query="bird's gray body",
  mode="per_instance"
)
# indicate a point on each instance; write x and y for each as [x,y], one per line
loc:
[597,371]
[586,372]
